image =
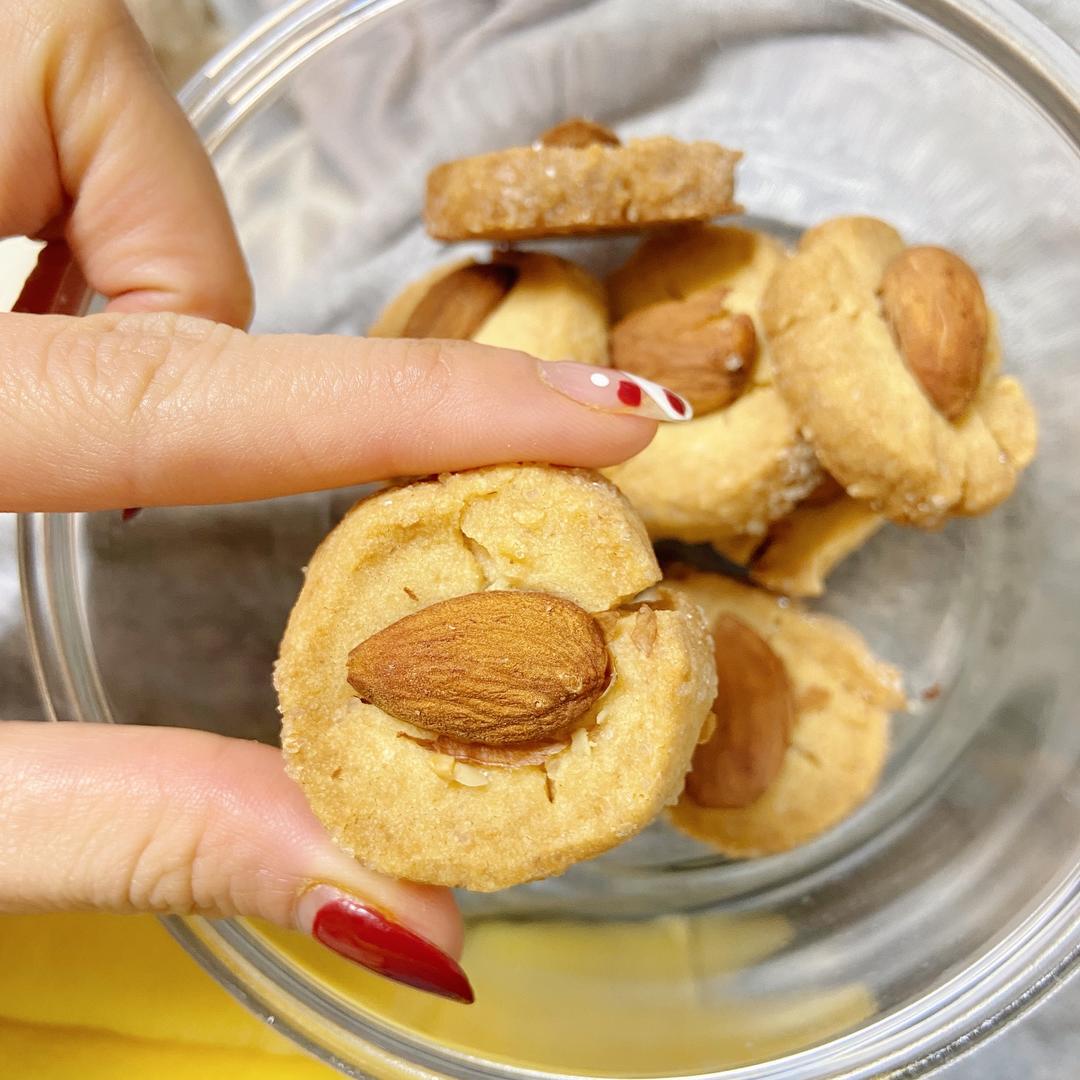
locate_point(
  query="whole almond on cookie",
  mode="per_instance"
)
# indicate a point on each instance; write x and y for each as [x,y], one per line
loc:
[695,346]
[936,310]
[499,668]
[579,132]
[755,713]
[456,306]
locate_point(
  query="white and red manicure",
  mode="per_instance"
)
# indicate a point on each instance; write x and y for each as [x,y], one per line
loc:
[615,391]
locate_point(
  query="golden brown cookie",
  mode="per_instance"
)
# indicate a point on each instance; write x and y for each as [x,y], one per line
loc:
[799,551]
[889,361]
[578,179]
[534,302]
[411,801]
[739,466]
[841,697]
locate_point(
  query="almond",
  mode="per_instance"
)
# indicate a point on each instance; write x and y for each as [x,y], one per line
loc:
[497,668]
[755,713]
[578,133]
[936,310]
[457,305]
[695,346]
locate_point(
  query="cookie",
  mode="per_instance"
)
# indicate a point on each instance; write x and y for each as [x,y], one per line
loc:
[742,464]
[411,801]
[889,361]
[534,302]
[579,179]
[676,263]
[841,697]
[800,550]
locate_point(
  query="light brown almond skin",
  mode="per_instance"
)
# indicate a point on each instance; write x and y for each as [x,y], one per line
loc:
[501,757]
[935,308]
[579,132]
[457,305]
[695,346]
[755,713]
[497,668]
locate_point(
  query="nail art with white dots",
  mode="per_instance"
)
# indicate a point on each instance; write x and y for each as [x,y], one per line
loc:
[614,391]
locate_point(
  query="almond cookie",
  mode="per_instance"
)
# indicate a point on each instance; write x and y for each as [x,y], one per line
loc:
[889,360]
[801,732]
[577,179]
[800,550]
[538,303]
[470,696]
[687,304]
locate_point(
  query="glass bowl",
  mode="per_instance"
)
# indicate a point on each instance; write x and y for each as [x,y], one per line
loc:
[947,904]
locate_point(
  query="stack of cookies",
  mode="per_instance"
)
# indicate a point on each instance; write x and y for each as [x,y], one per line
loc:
[462,669]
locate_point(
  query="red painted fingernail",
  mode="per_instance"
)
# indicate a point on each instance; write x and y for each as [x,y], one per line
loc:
[129,512]
[55,285]
[368,938]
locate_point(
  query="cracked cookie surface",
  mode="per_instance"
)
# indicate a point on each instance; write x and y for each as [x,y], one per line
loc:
[736,469]
[842,698]
[840,368]
[410,810]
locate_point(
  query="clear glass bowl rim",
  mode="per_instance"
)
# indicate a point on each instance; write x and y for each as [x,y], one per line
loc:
[1021,969]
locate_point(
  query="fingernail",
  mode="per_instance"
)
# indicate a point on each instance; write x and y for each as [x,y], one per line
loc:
[614,391]
[369,938]
[129,512]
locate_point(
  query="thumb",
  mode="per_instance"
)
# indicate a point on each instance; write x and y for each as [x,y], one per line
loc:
[141,410]
[168,820]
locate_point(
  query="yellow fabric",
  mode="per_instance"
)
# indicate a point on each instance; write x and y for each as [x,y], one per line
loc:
[107,996]
[104,997]
[650,998]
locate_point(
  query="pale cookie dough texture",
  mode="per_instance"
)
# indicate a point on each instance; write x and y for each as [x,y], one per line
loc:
[800,550]
[555,310]
[871,424]
[539,190]
[405,810]
[843,697]
[733,471]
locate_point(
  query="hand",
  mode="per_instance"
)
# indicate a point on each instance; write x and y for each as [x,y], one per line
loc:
[139,407]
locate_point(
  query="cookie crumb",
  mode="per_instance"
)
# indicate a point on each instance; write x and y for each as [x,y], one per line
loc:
[643,634]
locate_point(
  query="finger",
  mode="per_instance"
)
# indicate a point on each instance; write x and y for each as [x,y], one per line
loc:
[94,139]
[166,820]
[114,411]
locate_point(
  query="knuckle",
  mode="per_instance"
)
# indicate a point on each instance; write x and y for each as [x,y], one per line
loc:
[159,874]
[121,384]
[420,375]
[190,851]
[153,367]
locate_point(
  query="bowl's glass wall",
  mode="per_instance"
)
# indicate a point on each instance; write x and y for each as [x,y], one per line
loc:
[937,883]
